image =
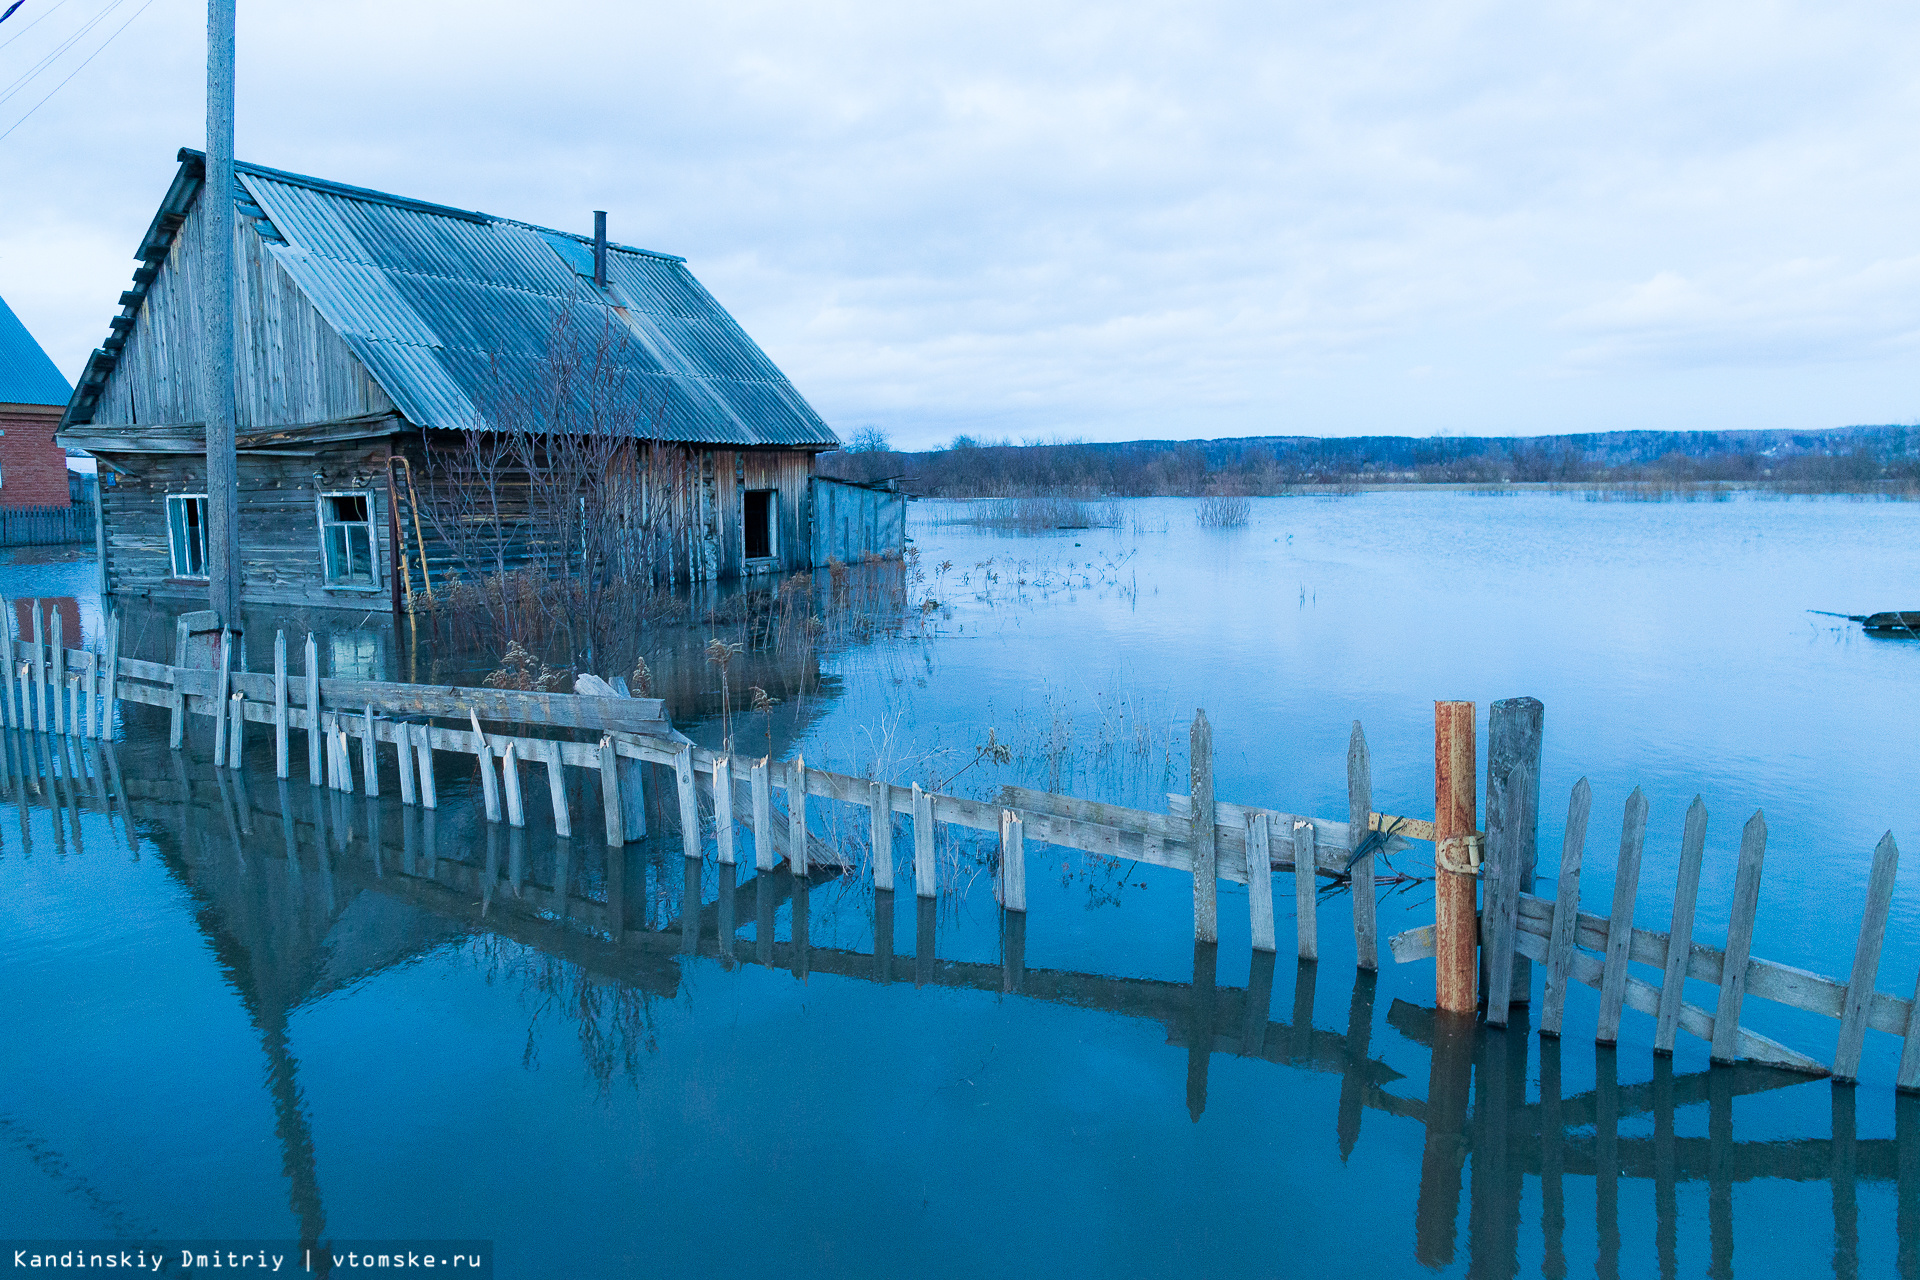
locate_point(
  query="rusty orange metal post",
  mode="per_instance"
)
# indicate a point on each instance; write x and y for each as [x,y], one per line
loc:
[1456,857]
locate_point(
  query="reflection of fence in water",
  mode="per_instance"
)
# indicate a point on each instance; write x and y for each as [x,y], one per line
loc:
[1475,1110]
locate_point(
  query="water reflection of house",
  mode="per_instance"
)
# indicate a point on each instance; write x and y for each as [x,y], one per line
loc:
[373,328]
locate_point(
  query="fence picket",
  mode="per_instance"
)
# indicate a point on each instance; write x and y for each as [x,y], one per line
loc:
[690,842]
[280,710]
[1206,923]
[1260,883]
[923,885]
[797,816]
[1693,842]
[1306,893]
[723,814]
[1359,818]
[1566,910]
[313,718]
[881,814]
[1866,958]
[1733,972]
[1626,884]
[761,774]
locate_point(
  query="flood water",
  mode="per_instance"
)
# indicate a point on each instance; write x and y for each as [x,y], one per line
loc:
[232,1007]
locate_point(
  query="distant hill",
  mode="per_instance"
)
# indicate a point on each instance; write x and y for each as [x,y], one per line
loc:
[1842,459]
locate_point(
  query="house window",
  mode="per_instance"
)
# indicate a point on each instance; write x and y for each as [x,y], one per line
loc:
[346,539]
[187,534]
[762,504]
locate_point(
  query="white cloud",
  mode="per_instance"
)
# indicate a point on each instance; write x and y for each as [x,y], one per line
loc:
[1110,219]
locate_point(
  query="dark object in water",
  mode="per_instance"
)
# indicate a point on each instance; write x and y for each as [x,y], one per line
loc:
[1907,623]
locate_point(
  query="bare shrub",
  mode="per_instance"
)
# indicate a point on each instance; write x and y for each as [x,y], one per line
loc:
[1223,511]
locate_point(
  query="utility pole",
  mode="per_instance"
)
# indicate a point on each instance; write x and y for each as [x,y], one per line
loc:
[216,209]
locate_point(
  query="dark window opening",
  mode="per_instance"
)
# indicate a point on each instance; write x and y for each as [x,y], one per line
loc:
[759,517]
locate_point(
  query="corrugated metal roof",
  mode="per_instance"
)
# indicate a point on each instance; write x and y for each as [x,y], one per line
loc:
[458,314]
[27,375]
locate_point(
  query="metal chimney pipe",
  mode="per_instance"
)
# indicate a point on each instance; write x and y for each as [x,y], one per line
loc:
[600,247]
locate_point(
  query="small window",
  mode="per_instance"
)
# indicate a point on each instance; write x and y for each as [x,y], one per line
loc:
[187,534]
[761,506]
[346,539]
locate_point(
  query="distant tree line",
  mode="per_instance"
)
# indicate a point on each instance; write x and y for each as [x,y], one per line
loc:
[1843,460]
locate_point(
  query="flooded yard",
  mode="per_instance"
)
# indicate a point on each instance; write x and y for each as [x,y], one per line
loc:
[236,1006]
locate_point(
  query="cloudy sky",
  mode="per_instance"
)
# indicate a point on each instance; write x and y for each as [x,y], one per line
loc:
[1102,220]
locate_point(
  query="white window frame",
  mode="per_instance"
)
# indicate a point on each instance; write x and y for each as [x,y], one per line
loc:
[773,525]
[174,556]
[327,523]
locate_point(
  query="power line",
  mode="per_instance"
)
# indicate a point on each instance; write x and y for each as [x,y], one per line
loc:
[76,71]
[62,47]
[31,25]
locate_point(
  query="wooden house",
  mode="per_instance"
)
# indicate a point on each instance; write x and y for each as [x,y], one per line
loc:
[33,469]
[377,337]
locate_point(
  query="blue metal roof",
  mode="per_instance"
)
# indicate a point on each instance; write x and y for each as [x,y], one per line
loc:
[27,375]
[457,313]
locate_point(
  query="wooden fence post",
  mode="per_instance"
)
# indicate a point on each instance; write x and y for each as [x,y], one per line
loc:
[723,821]
[39,670]
[1566,910]
[690,842]
[1260,882]
[797,816]
[423,749]
[403,760]
[1306,891]
[489,785]
[1733,968]
[236,733]
[1455,888]
[1514,732]
[1206,922]
[313,712]
[369,762]
[923,870]
[557,788]
[1626,886]
[1366,947]
[221,686]
[610,793]
[1013,863]
[280,704]
[1686,892]
[510,786]
[57,673]
[1866,959]
[882,828]
[761,778]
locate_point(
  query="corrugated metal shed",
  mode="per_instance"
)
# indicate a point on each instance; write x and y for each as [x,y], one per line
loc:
[453,311]
[27,375]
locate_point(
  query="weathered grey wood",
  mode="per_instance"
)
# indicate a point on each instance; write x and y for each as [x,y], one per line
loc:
[1686,891]
[1695,1021]
[403,760]
[723,812]
[369,762]
[1866,959]
[1206,923]
[610,793]
[797,816]
[761,777]
[510,785]
[633,795]
[1366,945]
[557,789]
[644,716]
[1907,1079]
[313,718]
[10,644]
[1746,900]
[222,689]
[90,726]
[39,670]
[236,729]
[343,760]
[1306,892]
[280,708]
[423,753]
[57,674]
[1514,733]
[1626,885]
[1260,883]
[691,844]
[923,873]
[1013,862]
[112,693]
[881,815]
[1566,910]
[489,788]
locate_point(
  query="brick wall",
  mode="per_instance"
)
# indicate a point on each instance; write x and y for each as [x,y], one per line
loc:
[33,469]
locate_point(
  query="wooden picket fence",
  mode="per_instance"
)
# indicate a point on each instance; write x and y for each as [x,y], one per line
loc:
[53,688]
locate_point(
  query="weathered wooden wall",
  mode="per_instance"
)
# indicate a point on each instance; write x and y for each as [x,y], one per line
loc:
[291,365]
[788,472]
[852,521]
[279,522]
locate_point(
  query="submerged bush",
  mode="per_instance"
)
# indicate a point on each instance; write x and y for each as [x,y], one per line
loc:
[1223,511]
